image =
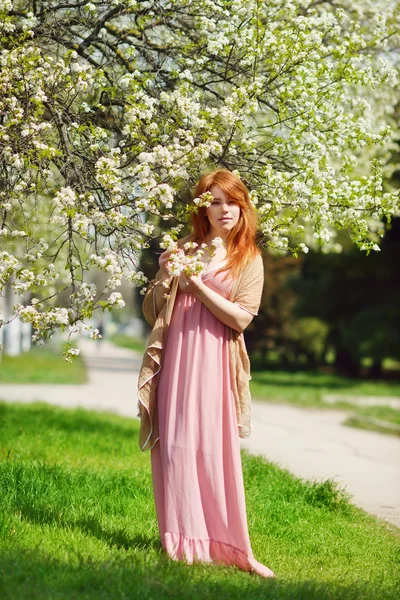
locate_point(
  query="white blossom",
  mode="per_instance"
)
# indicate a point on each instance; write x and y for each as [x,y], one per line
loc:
[298,100]
[115,299]
[217,242]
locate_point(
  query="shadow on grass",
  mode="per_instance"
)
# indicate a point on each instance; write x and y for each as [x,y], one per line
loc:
[49,495]
[118,538]
[30,573]
[115,537]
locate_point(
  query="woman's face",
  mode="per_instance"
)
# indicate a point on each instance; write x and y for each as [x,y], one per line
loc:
[223,213]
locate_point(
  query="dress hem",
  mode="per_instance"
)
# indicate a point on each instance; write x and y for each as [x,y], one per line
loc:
[182,547]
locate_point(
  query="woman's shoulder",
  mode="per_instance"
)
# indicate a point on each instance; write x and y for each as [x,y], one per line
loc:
[248,287]
[252,271]
[255,263]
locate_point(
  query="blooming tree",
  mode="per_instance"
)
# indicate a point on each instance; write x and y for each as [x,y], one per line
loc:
[110,111]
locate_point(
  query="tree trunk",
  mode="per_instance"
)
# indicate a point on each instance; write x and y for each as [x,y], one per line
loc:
[345,363]
[375,370]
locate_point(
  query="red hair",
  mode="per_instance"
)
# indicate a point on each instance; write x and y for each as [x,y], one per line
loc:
[241,245]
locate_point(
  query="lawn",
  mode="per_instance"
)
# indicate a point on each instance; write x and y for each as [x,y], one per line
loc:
[126,341]
[78,522]
[307,388]
[373,417]
[41,365]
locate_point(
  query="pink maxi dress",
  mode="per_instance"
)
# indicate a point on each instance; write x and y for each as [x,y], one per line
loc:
[196,464]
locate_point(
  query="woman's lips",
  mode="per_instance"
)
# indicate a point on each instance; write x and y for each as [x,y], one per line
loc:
[225,219]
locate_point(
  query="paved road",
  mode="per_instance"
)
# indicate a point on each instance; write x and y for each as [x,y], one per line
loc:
[112,374]
[313,444]
[310,443]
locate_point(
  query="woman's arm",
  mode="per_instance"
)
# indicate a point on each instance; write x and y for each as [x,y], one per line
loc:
[228,312]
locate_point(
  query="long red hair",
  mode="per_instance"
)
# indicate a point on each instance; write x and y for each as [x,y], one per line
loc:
[241,245]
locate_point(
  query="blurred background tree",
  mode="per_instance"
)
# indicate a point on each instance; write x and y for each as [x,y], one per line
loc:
[358,299]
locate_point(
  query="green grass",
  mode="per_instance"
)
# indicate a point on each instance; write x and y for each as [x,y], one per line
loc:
[41,365]
[376,418]
[307,387]
[384,413]
[78,522]
[125,341]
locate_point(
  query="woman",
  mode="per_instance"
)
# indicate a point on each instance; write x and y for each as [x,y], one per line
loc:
[194,399]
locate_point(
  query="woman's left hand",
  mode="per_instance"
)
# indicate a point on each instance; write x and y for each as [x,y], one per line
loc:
[190,284]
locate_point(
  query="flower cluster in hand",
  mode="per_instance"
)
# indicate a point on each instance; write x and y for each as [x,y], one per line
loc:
[189,259]
[99,148]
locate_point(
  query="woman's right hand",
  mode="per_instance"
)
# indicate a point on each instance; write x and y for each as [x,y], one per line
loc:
[163,263]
